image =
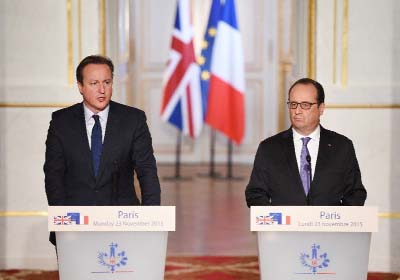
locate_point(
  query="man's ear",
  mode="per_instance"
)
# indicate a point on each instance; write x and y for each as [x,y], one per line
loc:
[80,87]
[321,108]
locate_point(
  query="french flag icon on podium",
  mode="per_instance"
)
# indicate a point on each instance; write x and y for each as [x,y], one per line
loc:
[78,219]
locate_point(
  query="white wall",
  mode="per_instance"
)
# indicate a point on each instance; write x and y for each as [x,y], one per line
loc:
[366,107]
[34,82]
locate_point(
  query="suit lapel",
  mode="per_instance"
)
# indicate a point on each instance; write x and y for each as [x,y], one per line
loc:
[290,155]
[83,142]
[323,155]
[112,132]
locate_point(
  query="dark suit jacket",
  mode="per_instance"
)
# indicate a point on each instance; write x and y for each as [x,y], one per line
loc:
[127,147]
[275,179]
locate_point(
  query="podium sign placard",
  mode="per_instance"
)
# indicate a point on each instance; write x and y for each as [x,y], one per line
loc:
[111,218]
[310,242]
[111,242]
[314,218]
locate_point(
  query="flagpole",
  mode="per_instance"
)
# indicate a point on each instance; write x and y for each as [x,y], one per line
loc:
[178,155]
[212,173]
[205,60]
[229,164]
[211,167]
[177,176]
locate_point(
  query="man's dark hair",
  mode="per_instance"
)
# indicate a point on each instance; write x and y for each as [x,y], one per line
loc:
[318,87]
[93,59]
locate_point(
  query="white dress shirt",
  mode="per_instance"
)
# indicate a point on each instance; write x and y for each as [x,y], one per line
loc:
[313,146]
[89,121]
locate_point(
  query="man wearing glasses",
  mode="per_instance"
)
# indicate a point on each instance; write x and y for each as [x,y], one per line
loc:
[306,164]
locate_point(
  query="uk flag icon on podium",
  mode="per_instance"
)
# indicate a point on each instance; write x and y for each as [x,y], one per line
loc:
[73,218]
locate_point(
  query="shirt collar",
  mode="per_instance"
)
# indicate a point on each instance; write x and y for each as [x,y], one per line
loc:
[102,114]
[313,135]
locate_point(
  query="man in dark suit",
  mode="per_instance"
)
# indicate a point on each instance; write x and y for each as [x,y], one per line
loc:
[283,172]
[93,148]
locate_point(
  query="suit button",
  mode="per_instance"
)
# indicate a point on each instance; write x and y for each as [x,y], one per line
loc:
[96,191]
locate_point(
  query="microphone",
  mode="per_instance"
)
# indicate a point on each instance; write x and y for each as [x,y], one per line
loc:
[308,159]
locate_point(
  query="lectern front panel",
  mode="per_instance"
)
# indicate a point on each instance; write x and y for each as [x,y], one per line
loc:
[313,255]
[111,255]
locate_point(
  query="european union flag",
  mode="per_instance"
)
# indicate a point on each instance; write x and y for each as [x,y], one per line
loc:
[206,50]
[75,217]
[280,219]
[277,217]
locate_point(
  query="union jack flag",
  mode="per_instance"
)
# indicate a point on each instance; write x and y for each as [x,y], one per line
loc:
[265,220]
[62,220]
[182,100]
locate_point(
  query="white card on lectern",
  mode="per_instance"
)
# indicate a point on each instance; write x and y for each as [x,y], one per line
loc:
[314,218]
[111,218]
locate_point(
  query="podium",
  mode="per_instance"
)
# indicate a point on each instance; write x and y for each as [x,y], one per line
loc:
[111,242]
[312,242]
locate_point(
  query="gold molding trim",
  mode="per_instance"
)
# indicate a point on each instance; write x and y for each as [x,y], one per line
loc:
[33,105]
[282,74]
[363,106]
[311,38]
[334,42]
[345,33]
[79,30]
[70,50]
[23,214]
[102,23]
[389,215]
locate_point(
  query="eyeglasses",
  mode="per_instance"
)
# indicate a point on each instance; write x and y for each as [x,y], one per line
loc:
[303,105]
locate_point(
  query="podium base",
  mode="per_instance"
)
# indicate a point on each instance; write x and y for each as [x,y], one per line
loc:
[316,255]
[111,255]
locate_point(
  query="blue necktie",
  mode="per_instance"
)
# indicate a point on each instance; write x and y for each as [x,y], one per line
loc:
[97,144]
[305,166]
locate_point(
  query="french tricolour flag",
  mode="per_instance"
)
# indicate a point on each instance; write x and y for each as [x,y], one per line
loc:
[182,101]
[225,111]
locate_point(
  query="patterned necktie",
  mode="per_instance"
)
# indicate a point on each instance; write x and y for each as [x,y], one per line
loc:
[305,166]
[97,144]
